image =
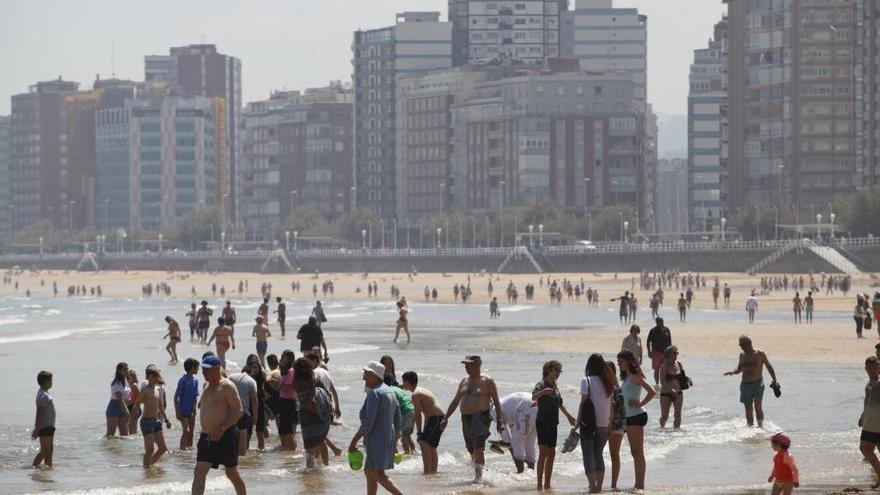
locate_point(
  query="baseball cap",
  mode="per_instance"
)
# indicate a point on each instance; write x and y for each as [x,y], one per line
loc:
[375,368]
[210,362]
[781,438]
[472,360]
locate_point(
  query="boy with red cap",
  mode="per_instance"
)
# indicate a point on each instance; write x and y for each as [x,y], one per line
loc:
[785,477]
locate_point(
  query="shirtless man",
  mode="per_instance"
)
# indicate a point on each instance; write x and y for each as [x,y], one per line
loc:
[229,315]
[751,391]
[204,317]
[282,315]
[429,429]
[402,322]
[173,336]
[225,337]
[474,394]
[261,332]
[263,310]
[218,442]
[193,315]
[154,414]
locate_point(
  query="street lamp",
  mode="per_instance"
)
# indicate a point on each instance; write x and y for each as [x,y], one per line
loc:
[723,227]
[70,211]
[293,194]
[382,232]
[212,232]
[295,239]
[287,240]
[531,236]
[394,232]
[407,233]
[364,238]
[819,226]
[501,183]
[222,240]
[106,213]
[439,232]
[626,232]
[353,198]
[590,226]
[833,217]
[775,222]
[41,246]
[541,235]
[620,216]
[160,243]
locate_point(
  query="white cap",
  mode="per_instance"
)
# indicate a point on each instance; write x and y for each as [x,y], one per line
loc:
[375,368]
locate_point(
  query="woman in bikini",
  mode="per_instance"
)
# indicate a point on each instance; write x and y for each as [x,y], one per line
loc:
[225,339]
[672,377]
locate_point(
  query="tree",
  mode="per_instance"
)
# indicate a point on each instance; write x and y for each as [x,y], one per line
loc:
[349,227]
[196,227]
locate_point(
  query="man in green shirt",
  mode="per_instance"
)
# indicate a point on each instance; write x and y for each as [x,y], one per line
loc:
[407,419]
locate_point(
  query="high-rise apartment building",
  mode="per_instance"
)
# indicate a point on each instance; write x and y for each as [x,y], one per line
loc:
[794,101]
[707,134]
[39,166]
[201,71]
[526,30]
[671,205]
[5,158]
[417,43]
[869,111]
[609,39]
[173,148]
[297,153]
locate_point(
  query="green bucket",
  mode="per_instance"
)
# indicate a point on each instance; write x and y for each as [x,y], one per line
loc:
[356,460]
[398,458]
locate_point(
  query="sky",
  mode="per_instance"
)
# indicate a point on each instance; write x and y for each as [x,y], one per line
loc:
[283,44]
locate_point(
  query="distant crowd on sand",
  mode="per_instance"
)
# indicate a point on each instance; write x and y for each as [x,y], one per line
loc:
[296,391]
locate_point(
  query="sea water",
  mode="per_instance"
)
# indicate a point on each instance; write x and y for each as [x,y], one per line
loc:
[81,340]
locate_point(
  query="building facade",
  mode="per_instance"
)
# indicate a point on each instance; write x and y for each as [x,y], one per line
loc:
[707,134]
[794,102]
[868,15]
[38,169]
[417,43]
[526,30]
[297,153]
[671,205]
[201,71]
[5,159]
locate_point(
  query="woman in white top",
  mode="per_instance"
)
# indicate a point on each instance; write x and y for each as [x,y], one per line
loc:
[633,343]
[596,386]
[117,410]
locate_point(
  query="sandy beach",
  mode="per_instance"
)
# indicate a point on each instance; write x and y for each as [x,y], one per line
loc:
[704,335]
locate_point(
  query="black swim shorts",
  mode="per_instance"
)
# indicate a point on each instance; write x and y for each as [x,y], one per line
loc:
[870,437]
[637,420]
[223,451]
[432,431]
[246,424]
[47,431]
[475,428]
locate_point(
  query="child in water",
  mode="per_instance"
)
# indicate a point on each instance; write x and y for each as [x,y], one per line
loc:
[785,476]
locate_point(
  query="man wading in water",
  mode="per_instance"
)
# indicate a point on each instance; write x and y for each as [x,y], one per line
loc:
[751,391]
[474,394]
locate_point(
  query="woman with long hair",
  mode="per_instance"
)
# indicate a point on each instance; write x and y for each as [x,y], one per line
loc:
[633,383]
[618,424]
[259,376]
[117,410]
[315,412]
[549,400]
[671,378]
[285,405]
[597,388]
[390,377]
[134,407]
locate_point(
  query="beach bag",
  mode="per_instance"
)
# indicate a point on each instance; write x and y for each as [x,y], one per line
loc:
[868,318]
[684,382]
[588,417]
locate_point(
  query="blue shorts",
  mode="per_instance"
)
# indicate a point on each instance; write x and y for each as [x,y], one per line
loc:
[262,347]
[114,410]
[150,425]
[750,393]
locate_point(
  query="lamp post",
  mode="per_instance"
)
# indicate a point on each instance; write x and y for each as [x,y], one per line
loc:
[775,223]
[421,233]
[541,235]
[287,240]
[474,232]
[293,194]
[160,243]
[625,232]
[590,226]
[70,211]
[41,246]
[364,238]
[487,231]
[819,226]
[439,232]
[460,238]
[222,240]
[382,232]
[295,240]
[833,216]
[447,233]
[407,233]
[501,243]
[106,213]
[211,226]
[353,198]
[394,232]
[370,233]
[531,236]
[723,227]
[620,216]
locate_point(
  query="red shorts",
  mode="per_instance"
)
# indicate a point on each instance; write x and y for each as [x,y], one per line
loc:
[656,360]
[223,345]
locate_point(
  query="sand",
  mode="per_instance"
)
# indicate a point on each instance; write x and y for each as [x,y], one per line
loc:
[830,341]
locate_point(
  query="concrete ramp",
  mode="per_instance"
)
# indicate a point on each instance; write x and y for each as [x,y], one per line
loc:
[521,252]
[833,257]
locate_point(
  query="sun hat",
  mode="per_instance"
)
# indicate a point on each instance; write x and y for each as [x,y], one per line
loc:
[375,368]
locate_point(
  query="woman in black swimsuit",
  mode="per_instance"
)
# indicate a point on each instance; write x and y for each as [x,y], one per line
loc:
[672,382]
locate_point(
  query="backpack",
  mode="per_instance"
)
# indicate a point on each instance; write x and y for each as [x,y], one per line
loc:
[588,417]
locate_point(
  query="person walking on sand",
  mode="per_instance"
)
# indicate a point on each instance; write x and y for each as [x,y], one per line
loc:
[659,339]
[785,476]
[860,313]
[380,428]
[281,311]
[402,322]
[751,391]
[633,343]
[261,333]
[546,394]
[634,383]
[218,441]
[752,306]
[726,296]
[186,397]
[808,307]
[44,421]
[474,394]
[683,306]
[154,415]
[869,421]
[173,337]
[225,338]
[428,416]
[797,307]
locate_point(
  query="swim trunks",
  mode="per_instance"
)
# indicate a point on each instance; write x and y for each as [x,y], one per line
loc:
[262,347]
[245,423]
[432,431]
[409,423]
[656,360]
[750,393]
[223,451]
[150,425]
[475,428]
[870,437]
[48,431]
[224,345]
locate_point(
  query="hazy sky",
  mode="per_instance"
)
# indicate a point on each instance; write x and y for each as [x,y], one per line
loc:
[282,43]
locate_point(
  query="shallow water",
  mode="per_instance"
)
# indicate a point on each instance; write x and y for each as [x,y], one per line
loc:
[80,341]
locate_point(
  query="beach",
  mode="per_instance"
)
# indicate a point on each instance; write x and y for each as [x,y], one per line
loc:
[81,339]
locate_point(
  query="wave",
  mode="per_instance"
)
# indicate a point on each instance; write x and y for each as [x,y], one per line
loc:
[212,484]
[57,334]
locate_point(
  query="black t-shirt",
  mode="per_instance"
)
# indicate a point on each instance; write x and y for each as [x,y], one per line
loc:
[548,405]
[659,338]
[311,336]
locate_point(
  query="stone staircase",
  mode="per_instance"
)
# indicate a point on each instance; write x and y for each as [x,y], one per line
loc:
[521,252]
[779,253]
[833,257]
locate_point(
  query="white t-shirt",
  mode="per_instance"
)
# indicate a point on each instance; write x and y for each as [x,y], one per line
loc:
[518,409]
[324,377]
[119,387]
[593,386]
